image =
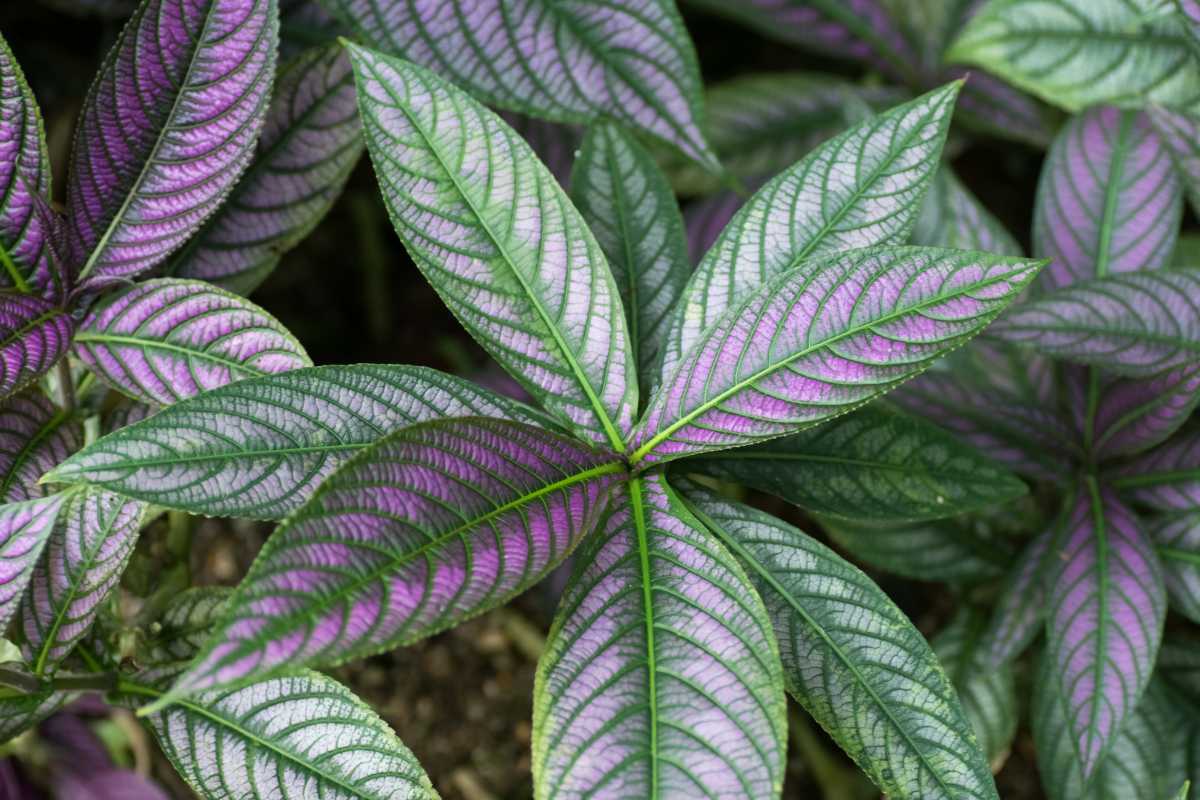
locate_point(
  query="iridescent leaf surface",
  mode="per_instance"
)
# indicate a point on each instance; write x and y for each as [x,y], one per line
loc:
[498,239]
[35,435]
[259,448]
[1181,134]
[1020,607]
[821,340]
[1177,540]
[661,676]
[853,660]
[24,173]
[1134,415]
[166,128]
[871,464]
[429,526]
[1166,478]
[953,217]
[628,60]
[165,340]
[1104,621]
[310,141]
[34,334]
[818,207]
[950,550]
[24,530]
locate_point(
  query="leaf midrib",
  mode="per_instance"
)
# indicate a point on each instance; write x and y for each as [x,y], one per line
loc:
[639,518]
[1115,168]
[158,344]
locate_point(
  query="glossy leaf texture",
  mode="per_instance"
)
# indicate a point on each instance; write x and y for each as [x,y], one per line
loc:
[24,176]
[188,621]
[259,448]
[871,464]
[1181,134]
[1020,607]
[498,239]
[304,735]
[821,340]
[310,142]
[164,340]
[661,676]
[627,203]
[35,435]
[953,217]
[818,207]
[948,550]
[167,127]
[34,334]
[1136,325]
[92,540]
[1132,415]
[1177,540]
[24,530]
[853,660]
[1166,478]
[429,526]
[1104,621]
[1109,199]
[628,60]
[1078,53]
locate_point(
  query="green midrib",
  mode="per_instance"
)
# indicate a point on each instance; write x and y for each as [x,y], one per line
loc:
[1115,170]
[643,545]
[184,352]
[1100,541]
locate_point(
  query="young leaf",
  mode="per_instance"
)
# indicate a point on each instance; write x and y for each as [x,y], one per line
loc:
[1177,540]
[92,540]
[1136,325]
[1181,134]
[24,175]
[35,435]
[1104,621]
[953,217]
[34,334]
[504,248]
[661,676]
[188,622]
[871,464]
[853,660]
[628,60]
[310,141]
[818,207]
[1134,415]
[258,448]
[24,530]
[167,127]
[165,340]
[300,736]
[948,550]
[1109,199]
[432,525]
[821,340]
[1077,53]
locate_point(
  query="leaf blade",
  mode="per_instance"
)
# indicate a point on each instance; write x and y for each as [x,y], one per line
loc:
[24,175]
[1177,540]
[34,334]
[24,529]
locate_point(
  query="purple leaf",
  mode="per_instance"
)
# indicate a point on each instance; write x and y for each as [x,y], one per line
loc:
[1020,607]
[35,436]
[1177,540]
[92,541]
[498,239]
[1166,478]
[74,745]
[165,340]
[661,676]
[627,60]
[434,524]
[33,335]
[310,141]
[990,105]
[24,176]
[109,784]
[820,340]
[705,219]
[1109,199]
[1104,620]
[166,129]
[19,713]
[1132,415]
[1181,134]
[24,530]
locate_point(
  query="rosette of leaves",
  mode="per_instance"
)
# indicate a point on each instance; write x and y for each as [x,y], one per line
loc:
[410,500]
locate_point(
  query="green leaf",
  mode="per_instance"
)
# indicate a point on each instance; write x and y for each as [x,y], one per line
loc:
[498,239]
[1177,539]
[187,622]
[953,217]
[872,464]
[20,712]
[951,550]
[853,660]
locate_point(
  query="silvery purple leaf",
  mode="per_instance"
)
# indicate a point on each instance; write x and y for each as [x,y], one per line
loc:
[1020,607]
[165,340]
[1136,325]
[962,551]
[34,334]
[167,127]
[991,106]
[92,540]
[188,621]
[24,176]
[627,203]
[1181,134]
[24,530]
[1166,478]
[818,207]
[35,436]
[628,60]
[19,713]
[1109,200]
[433,524]
[1177,540]
[258,448]
[660,676]
[498,239]
[852,658]
[819,341]
[1190,10]
[1132,415]
[310,141]
[953,217]
[705,219]
[124,414]
[1104,620]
